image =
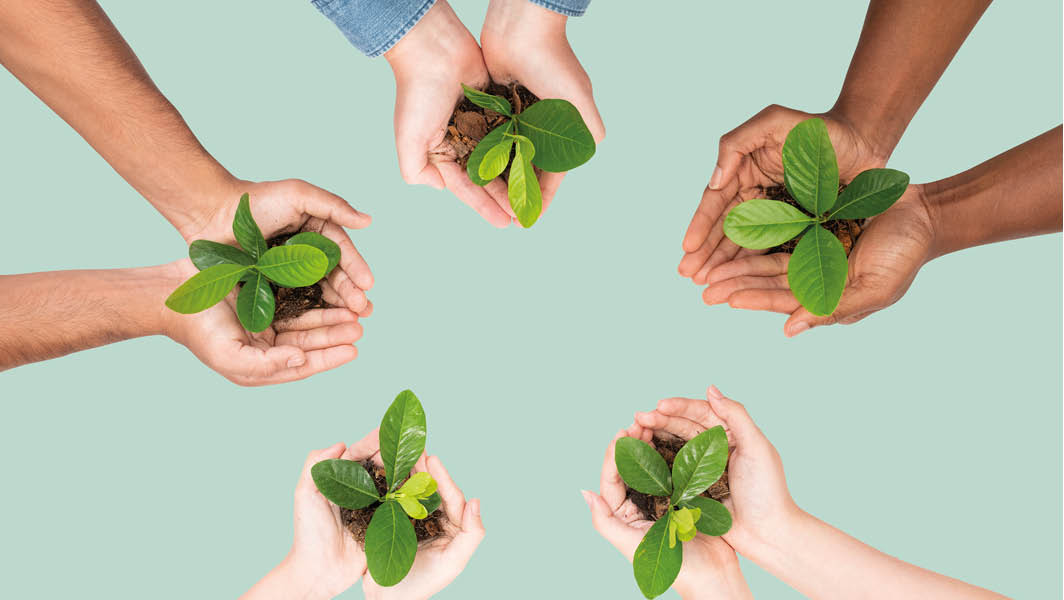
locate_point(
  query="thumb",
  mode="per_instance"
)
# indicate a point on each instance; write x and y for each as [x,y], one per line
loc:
[322,204]
[414,163]
[857,303]
[616,532]
[741,141]
[279,358]
[465,543]
[744,431]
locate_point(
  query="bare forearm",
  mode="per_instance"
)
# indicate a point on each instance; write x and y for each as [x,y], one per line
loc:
[1015,194]
[904,48]
[71,56]
[46,315]
[824,563]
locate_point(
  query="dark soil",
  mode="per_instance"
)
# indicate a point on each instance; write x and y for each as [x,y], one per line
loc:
[356,521]
[654,507]
[470,123]
[847,230]
[293,302]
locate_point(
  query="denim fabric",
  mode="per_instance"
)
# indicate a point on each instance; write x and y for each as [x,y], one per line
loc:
[569,8]
[374,26]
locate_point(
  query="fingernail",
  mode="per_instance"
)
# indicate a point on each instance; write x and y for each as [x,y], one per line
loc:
[587,497]
[714,182]
[296,361]
[476,507]
[799,328]
[714,392]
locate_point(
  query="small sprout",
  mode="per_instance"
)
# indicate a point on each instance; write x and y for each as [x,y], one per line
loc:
[818,268]
[391,542]
[698,465]
[305,259]
[549,134]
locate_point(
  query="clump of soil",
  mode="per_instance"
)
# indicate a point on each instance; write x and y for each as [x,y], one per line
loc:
[847,230]
[470,123]
[655,507]
[293,302]
[356,521]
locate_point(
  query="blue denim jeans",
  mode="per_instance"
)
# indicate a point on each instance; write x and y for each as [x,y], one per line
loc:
[374,26]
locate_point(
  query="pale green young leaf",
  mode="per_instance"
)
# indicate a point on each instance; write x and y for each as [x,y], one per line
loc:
[685,519]
[246,231]
[391,544]
[319,241]
[642,468]
[810,170]
[293,266]
[206,254]
[699,463]
[817,271]
[206,288]
[672,529]
[526,198]
[345,483]
[655,563]
[477,156]
[489,101]
[495,160]
[402,437]
[761,223]
[255,303]
[870,193]
[413,508]
[562,139]
[713,518]
[420,485]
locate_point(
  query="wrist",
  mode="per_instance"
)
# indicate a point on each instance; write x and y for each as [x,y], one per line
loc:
[439,38]
[877,141]
[159,282]
[291,580]
[516,20]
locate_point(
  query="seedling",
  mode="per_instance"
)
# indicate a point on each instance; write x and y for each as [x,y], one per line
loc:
[698,465]
[391,542]
[303,260]
[817,270]
[549,134]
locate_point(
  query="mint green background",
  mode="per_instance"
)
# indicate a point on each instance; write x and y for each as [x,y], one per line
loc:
[931,430]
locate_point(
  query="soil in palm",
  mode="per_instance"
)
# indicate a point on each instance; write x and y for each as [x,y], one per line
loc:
[470,123]
[847,230]
[293,302]
[356,521]
[655,507]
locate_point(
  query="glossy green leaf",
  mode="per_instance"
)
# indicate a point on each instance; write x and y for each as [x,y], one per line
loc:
[699,464]
[319,241]
[246,231]
[562,140]
[714,518]
[206,254]
[817,271]
[432,503]
[477,156]
[762,223]
[402,437]
[206,288]
[642,468]
[345,483]
[293,266]
[526,198]
[685,519]
[870,193]
[495,160]
[390,544]
[655,563]
[413,508]
[420,485]
[489,101]
[255,303]
[810,170]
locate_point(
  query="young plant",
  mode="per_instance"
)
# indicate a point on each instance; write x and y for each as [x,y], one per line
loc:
[303,260]
[391,543]
[549,134]
[698,465]
[817,270]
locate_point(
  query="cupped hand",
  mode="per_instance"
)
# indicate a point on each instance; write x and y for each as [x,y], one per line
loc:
[710,567]
[430,64]
[883,264]
[760,504]
[291,206]
[318,340]
[749,159]
[526,43]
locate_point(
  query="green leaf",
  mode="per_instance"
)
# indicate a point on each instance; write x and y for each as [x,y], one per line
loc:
[655,563]
[413,508]
[817,271]
[390,544]
[420,485]
[402,437]
[810,170]
[714,518]
[293,266]
[762,223]
[495,160]
[432,503]
[255,303]
[489,101]
[525,196]
[642,468]
[206,288]
[319,241]
[206,254]
[562,140]
[672,529]
[699,464]
[685,519]
[477,157]
[345,483]
[870,193]
[246,231]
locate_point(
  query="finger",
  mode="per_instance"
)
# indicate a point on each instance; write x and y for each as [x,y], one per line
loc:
[329,295]
[725,251]
[465,542]
[314,318]
[734,417]
[364,448]
[710,210]
[611,486]
[252,366]
[351,260]
[777,300]
[677,426]
[719,293]
[322,337]
[473,195]
[365,312]
[691,409]
[857,303]
[616,532]
[548,186]
[316,362]
[497,189]
[757,132]
[352,297]
[414,164]
[453,500]
[319,203]
[762,265]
